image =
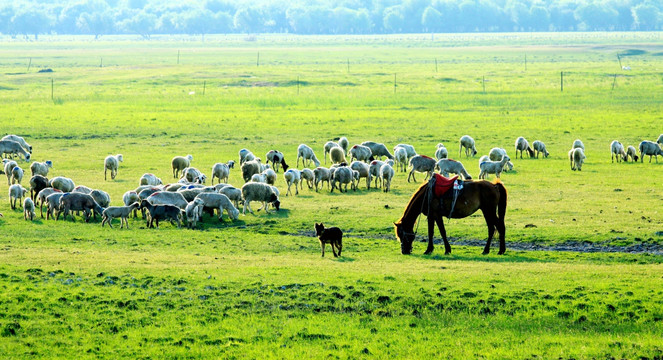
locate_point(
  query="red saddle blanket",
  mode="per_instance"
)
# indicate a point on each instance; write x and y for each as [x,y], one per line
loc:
[443,184]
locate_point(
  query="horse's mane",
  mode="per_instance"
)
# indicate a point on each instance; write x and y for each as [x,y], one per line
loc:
[410,204]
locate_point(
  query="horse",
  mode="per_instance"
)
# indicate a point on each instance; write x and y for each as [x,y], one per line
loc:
[490,197]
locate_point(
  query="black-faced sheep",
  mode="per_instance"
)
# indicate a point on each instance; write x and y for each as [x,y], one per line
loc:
[150,179]
[307,155]
[421,163]
[41,168]
[631,152]
[341,176]
[220,171]
[10,147]
[161,212]
[79,202]
[37,184]
[467,143]
[277,158]
[492,167]
[16,195]
[112,163]
[28,209]
[292,176]
[361,153]
[522,145]
[180,163]
[122,212]
[259,192]
[321,175]
[378,150]
[219,202]
[449,166]
[617,149]
[364,171]
[62,183]
[387,174]
[649,148]
[540,147]
[577,158]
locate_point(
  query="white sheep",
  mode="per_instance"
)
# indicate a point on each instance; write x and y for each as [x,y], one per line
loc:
[101,197]
[631,152]
[400,154]
[660,140]
[421,163]
[361,153]
[449,166]
[321,175]
[129,198]
[13,148]
[193,211]
[9,166]
[343,143]
[374,171]
[233,193]
[378,150]
[219,202]
[261,178]
[306,153]
[364,171]
[180,163]
[540,147]
[220,171]
[493,167]
[82,189]
[62,183]
[617,149]
[191,174]
[122,212]
[649,148]
[408,148]
[41,198]
[17,175]
[19,140]
[270,176]
[112,163]
[277,158]
[523,145]
[327,148]
[292,176]
[250,168]
[496,154]
[577,158]
[259,192]
[337,155]
[28,209]
[16,195]
[578,144]
[467,143]
[53,205]
[150,179]
[343,176]
[441,152]
[168,198]
[41,168]
[387,174]
[308,175]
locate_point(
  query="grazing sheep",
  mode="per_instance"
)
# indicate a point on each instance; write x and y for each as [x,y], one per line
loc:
[649,148]
[493,167]
[245,155]
[53,204]
[218,201]
[409,149]
[321,174]
[660,140]
[496,154]
[449,166]
[250,168]
[361,153]
[193,175]
[41,198]
[13,148]
[374,171]
[355,180]
[328,146]
[337,155]
[306,153]
[631,152]
[101,197]
[62,183]
[168,198]
[144,187]
[261,178]
[16,193]
[82,189]
[122,212]
[540,147]
[276,157]
[421,163]
[38,168]
[378,150]
[150,179]
[522,145]
[161,212]
[400,154]
[112,163]
[386,173]
[617,149]
[28,209]
[233,193]
[292,176]
[270,176]
[37,184]
[79,202]
[9,166]
[364,171]
[467,143]
[342,176]
[193,211]
[190,194]
[17,175]
[577,158]
[129,198]
[343,143]
[308,175]
[259,192]
[180,163]
[174,187]
[578,144]
[19,140]
[441,152]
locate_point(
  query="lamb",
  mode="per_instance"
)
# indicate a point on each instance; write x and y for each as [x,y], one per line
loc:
[387,173]
[321,174]
[9,166]
[245,155]
[79,202]
[16,194]
[408,148]
[374,171]
[14,148]
[308,175]
[17,175]
[328,146]
[400,154]
[122,212]
[441,152]
[421,163]
[361,153]
[19,140]
[276,157]
[337,155]
[292,176]
[161,212]
[467,143]
[180,163]
[112,163]
[578,144]
[378,149]
[343,143]
[630,151]
[193,211]
[261,178]
[41,197]
[521,145]
[447,166]
[38,168]
[37,184]
[306,153]
[220,202]
[617,149]
[259,192]
[53,204]
[342,176]
[233,193]
[493,167]
[577,158]
[364,171]
[168,198]
[62,183]
[249,168]
[150,179]
[28,209]
[649,148]
[496,154]
[129,198]
[540,147]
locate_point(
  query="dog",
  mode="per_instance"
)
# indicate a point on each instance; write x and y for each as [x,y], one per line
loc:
[332,236]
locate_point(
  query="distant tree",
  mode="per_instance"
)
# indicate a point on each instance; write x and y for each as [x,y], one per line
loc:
[393,20]
[597,16]
[647,16]
[97,24]
[7,11]
[68,19]
[432,20]
[308,20]
[135,4]
[199,22]
[142,24]
[248,20]
[562,16]
[539,18]
[167,24]
[217,6]
[31,21]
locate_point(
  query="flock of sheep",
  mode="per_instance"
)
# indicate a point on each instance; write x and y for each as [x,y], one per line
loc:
[189,197]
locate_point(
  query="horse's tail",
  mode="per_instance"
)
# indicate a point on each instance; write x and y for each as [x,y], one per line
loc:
[501,204]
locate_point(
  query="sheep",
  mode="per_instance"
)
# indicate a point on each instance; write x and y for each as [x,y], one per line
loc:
[441,152]
[342,176]
[374,171]
[409,149]
[361,153]
[386,173]
[9,166]
[649,148]
[421,163]
[101,197]
[337,155]
[321,174]
[660,140]
[496,154]
[292,176]
[28,209]
[577,158]
[343,143]
[249,168]
[467,143]
[168,198]
[37,168]
[364,171]
[150,179]
[19,140]
[193,175]
[79,202]
[62,183]
[630,151]
[140,188]
[578,144]
[37,184]
[540,147]
[328,146]
[233,193]
[161,212]
[306,153]
[220,171]
[193,211]
[270,176]
[481,159]
[400,154]
[378,149]
[122,212]
[174,187]
[17,175]
[276,157]
[522,145]
[617,149]
[245,155]
[447,166]
[180,163]
[261,178]
[493,167]
[129,198]
[259,192]
[41,197]
[220,202]
[112,162]
[82,189]
[16,193]
[308,175]
[53,204]
[14,148]
[355,180]
[190,194]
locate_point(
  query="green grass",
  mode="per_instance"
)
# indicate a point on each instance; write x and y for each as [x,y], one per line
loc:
[257,287]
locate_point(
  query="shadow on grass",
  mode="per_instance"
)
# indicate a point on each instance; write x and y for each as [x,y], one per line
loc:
[344,259]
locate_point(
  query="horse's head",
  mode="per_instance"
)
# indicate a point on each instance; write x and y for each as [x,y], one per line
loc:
[406,239]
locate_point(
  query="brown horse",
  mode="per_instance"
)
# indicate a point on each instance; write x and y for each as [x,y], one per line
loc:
[490,197]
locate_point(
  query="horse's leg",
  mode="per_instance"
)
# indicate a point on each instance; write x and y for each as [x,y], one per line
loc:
[491,220]
[431,231]
[501,229]
[440,225]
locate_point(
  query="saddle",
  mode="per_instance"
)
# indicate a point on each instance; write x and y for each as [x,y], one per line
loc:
[442,185]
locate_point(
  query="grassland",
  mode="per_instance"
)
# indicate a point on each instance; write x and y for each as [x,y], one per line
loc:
[257,287]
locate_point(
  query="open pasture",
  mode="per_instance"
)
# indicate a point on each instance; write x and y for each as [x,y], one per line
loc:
[257,286]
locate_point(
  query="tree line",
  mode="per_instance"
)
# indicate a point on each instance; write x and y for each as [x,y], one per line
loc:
[149,17]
